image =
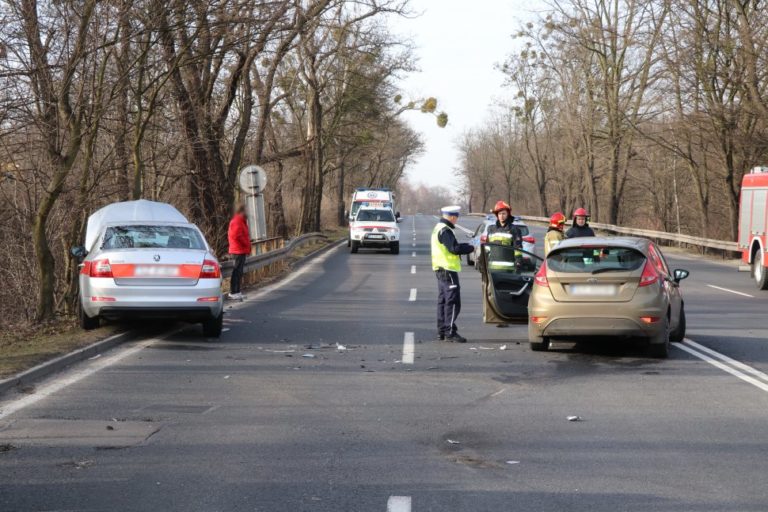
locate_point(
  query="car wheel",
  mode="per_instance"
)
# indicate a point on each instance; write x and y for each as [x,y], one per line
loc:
[212,328]
[354,247]
[759,272]
[470,261]
[394,247]
[679,333]
[659,344]
[86,322]
[349,241]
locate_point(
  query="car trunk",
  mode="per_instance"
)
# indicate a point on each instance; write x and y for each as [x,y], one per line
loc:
[155,267]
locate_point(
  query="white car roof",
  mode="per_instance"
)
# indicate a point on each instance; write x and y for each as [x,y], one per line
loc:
[130,212]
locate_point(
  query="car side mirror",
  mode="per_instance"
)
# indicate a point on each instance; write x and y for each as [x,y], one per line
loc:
[680,274]
[397,215]
[79,252]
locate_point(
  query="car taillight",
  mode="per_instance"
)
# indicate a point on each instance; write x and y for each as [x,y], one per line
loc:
[100,268]
[541,276]
[483,239]
[649,275]
[210,270]
[529,239]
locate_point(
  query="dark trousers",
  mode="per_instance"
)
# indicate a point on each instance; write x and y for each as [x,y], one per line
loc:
[237,272]
[448,301]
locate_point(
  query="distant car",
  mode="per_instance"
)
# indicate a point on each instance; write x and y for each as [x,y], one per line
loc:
[144,259]
[480,236]
[374,228]
[618,287]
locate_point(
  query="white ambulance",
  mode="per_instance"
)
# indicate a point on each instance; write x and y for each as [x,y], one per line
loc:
[373,197]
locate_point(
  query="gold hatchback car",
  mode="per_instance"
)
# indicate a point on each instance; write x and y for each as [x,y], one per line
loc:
[608,286]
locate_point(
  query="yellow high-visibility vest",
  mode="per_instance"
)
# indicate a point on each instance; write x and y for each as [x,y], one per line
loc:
[441,256]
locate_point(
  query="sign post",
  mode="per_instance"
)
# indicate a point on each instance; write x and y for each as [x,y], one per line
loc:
[252,181]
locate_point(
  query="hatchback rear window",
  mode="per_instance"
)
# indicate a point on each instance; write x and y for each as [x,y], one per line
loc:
[595,259]
[156,237]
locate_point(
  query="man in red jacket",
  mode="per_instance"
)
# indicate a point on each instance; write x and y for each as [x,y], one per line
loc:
[239,249]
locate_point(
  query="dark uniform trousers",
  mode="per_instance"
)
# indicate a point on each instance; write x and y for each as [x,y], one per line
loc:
[448,301]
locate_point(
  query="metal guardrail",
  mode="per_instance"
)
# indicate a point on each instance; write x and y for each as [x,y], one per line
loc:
[709,243]
[259,261]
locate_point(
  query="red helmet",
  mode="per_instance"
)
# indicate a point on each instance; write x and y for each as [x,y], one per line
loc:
[557,220]
[580,212]
[501,205]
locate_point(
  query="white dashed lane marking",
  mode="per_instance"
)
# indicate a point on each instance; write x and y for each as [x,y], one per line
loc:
[399,504]
[408,348]
[413,269]
[412,297]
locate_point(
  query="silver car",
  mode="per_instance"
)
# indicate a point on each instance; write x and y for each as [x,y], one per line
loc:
[480,236]
[141,269]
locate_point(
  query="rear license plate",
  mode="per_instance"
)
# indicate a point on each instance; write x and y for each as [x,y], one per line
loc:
[592,290]
[156,271]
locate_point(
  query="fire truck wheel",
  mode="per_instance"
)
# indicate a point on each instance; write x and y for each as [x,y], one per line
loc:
[759,271]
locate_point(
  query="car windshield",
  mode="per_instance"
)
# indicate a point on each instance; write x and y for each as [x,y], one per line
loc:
[376,215]
[595,259]
[156,237]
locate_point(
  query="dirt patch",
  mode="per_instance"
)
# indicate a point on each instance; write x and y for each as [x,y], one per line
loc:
[23,347]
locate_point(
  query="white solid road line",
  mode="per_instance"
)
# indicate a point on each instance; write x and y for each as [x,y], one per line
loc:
[412,297]
[56,385]
[738,364]
[413,269]
[399,504]
[704,357]
[731,291]
[408,348]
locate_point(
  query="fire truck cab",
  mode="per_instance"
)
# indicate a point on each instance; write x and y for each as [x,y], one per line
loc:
[753,224]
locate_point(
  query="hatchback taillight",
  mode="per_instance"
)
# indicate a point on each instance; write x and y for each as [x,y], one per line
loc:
[483,239]
[541,276]
[649,275]
[210,270]
[529,239]
[100,268]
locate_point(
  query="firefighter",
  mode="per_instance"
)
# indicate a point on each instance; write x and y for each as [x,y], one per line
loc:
[580,225]
[504,232]
[446,262]
[555,232]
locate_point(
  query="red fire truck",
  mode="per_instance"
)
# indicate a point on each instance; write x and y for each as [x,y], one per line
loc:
[753,221]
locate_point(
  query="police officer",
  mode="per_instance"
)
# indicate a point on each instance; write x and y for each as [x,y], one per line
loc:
[446,262]
[555,232]
[580,225]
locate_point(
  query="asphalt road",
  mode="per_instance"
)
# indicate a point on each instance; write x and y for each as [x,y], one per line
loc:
[249,423]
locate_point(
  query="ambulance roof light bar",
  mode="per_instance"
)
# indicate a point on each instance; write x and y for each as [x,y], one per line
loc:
[363,189]
[759,169]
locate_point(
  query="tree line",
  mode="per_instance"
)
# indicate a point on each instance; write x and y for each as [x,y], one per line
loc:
[111,100]
[646,112]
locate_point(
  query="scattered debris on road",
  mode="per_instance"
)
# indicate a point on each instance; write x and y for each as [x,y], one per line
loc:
[574,418]
[503,347]
[340,347]
[451,441]
[226,376]
[6,447]
[309,356]
[513,462]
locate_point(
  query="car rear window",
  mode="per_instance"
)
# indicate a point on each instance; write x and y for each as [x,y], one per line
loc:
[523,230]
[376,215]
[595,258]
[156,237]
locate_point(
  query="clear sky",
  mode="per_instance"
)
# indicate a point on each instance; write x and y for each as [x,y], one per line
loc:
[458,42]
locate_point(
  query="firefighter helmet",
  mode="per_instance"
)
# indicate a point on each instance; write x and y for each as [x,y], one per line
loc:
[557,220]
[580,212]
[501,205]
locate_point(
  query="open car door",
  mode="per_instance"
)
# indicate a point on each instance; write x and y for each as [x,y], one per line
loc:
[507,275]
